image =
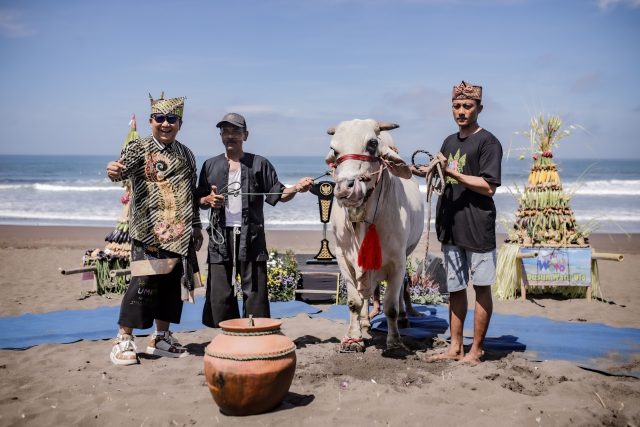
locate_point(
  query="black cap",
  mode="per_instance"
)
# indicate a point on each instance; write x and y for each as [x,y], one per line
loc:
[234,119]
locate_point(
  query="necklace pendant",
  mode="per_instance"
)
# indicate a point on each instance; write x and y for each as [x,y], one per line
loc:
[356,214]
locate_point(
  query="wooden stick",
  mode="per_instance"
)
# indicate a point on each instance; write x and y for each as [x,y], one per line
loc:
[607,256]
[527,255]
[67,272]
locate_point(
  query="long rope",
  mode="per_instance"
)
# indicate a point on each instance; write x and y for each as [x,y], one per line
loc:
[234,189]
[435,184]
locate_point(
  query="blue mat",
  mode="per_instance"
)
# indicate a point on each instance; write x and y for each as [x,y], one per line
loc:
[590,345]
[59,327]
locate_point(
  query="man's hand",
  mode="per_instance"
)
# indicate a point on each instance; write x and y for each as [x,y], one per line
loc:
[442,160]
[114,170]
[304,185]
[214,199]
[398,169]
[197,238]
[423,171]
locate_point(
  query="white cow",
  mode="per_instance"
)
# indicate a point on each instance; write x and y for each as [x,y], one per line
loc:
[367,193]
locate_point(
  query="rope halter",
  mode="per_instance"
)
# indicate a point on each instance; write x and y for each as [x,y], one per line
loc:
[362,158]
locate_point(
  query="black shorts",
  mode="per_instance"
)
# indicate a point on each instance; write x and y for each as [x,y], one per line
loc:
[152,297]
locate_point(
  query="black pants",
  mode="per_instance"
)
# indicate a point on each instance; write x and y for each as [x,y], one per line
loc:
[220,303]
[151,297]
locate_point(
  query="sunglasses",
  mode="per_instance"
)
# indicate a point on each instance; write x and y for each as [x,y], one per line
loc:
[170,118]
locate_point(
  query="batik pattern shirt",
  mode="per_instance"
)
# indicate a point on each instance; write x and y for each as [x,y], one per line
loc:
[163,180]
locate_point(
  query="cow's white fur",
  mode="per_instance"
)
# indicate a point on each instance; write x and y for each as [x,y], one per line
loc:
[399,220]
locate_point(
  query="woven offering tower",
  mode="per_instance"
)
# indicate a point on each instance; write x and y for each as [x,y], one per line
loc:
[545,228]
[544,217]
[115,257]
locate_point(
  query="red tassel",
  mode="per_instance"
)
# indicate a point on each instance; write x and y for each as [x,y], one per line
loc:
[370,255]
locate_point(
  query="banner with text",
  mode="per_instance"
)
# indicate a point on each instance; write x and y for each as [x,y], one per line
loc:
[557,267]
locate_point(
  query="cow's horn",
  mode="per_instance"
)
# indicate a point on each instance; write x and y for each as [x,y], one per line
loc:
[387,126]
[331,131]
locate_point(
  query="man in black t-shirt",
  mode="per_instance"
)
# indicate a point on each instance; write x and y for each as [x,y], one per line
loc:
[466,218]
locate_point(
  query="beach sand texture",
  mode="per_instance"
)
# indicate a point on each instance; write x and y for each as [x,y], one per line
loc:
[76,384]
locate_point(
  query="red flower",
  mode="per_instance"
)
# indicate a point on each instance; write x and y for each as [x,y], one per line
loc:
[125,198]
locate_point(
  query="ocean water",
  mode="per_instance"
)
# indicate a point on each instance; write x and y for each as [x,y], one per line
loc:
[74,190]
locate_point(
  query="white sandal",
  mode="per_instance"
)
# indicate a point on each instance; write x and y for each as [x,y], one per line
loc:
[124,351]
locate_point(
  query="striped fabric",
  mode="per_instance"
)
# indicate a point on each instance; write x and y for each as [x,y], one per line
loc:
[163,180]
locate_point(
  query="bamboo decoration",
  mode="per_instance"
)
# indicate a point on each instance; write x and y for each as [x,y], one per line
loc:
[117,251]
[544,218]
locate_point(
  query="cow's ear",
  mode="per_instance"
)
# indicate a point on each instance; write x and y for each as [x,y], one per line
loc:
[331,131]
[330,157]
[387,126]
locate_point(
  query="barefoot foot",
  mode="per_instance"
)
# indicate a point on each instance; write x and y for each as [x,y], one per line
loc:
[443,356]
[472,359]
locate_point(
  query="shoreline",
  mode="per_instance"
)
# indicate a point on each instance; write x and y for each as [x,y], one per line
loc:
[304,241]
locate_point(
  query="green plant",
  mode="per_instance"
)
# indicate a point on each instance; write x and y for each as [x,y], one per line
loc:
[104,263]
[282,276]
[421,290]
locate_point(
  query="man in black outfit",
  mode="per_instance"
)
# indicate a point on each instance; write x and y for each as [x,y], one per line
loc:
[237,223]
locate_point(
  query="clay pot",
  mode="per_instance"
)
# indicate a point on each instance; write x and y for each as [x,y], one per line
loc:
[249,366]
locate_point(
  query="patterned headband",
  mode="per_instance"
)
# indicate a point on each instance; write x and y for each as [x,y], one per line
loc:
[167,106]
[466,91]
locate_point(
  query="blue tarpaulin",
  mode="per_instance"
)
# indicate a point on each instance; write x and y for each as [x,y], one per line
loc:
[59,327]
[590,345]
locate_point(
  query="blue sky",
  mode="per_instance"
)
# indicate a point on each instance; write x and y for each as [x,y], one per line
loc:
[74,71]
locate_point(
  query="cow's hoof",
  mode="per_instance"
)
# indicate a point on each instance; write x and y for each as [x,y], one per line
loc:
[396,345]
[352,345]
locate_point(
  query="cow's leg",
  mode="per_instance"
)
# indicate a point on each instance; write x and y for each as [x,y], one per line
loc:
[365,323]
[365,294]
[403,319]
[392,309]
[353,340]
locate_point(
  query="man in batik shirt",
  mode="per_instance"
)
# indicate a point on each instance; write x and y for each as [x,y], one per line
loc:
[166,232]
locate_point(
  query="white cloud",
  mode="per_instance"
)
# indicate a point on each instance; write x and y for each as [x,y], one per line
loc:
[12,26]
[608,4]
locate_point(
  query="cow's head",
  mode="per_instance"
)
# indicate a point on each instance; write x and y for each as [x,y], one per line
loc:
[357,150]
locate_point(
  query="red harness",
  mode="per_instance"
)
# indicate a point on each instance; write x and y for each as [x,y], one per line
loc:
[362,157]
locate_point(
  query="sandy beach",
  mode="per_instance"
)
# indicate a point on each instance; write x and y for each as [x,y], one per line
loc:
[76,384]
